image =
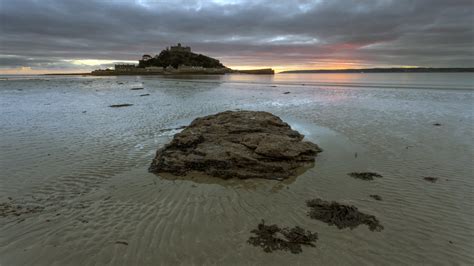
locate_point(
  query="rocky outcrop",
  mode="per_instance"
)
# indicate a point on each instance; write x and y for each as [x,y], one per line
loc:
[241,144]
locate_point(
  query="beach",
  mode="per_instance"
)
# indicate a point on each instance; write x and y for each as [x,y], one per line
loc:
[80,169]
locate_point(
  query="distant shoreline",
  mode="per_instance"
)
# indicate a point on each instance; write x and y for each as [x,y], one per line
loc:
[139,72]
[67,74]
[386,70]
[270,71]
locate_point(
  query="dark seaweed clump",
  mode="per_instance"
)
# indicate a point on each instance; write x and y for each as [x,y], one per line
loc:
[11,209]
[341,215]
[364,175]
[120,105]
[431,179]
[272,237]
[376,197]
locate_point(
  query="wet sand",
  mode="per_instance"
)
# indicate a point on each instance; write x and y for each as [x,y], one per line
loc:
[86,173]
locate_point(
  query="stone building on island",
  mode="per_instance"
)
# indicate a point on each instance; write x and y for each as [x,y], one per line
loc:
[180,48]
[125,67]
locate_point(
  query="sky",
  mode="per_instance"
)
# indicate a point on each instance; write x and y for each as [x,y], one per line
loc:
[51,36]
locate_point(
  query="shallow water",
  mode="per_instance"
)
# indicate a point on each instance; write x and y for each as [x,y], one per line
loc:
[64,149]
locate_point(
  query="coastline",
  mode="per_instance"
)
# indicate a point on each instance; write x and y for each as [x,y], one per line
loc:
[139,72]
[264,71]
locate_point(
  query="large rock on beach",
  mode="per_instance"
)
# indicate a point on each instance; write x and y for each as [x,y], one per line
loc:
[241,144]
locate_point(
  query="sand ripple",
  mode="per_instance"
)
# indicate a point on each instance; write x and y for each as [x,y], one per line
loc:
[88,171]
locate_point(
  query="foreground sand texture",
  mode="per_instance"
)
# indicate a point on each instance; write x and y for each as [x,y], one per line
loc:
[75,171]
[242,144]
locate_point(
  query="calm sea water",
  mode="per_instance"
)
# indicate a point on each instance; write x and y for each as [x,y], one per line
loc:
[63,149]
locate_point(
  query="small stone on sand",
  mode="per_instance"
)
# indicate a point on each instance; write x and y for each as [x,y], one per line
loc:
[376,197]
[430,179]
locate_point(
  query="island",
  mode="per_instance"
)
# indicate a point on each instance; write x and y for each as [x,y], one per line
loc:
[176,60]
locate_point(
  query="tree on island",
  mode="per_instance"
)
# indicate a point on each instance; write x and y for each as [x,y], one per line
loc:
[180,58]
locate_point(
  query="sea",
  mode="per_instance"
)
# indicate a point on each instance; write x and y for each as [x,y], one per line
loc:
[75,187]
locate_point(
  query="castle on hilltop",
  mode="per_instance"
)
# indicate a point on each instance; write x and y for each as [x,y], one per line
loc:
[180,48]
[177,48]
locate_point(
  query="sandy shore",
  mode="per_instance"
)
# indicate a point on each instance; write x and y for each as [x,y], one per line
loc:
[84,165]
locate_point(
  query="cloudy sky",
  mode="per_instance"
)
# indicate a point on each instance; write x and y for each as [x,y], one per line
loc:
[38,36]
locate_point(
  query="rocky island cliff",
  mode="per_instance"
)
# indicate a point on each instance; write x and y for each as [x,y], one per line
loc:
[175,60]
[177,56]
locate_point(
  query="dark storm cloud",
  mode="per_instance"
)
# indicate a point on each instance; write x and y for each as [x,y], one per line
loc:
[385,32]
